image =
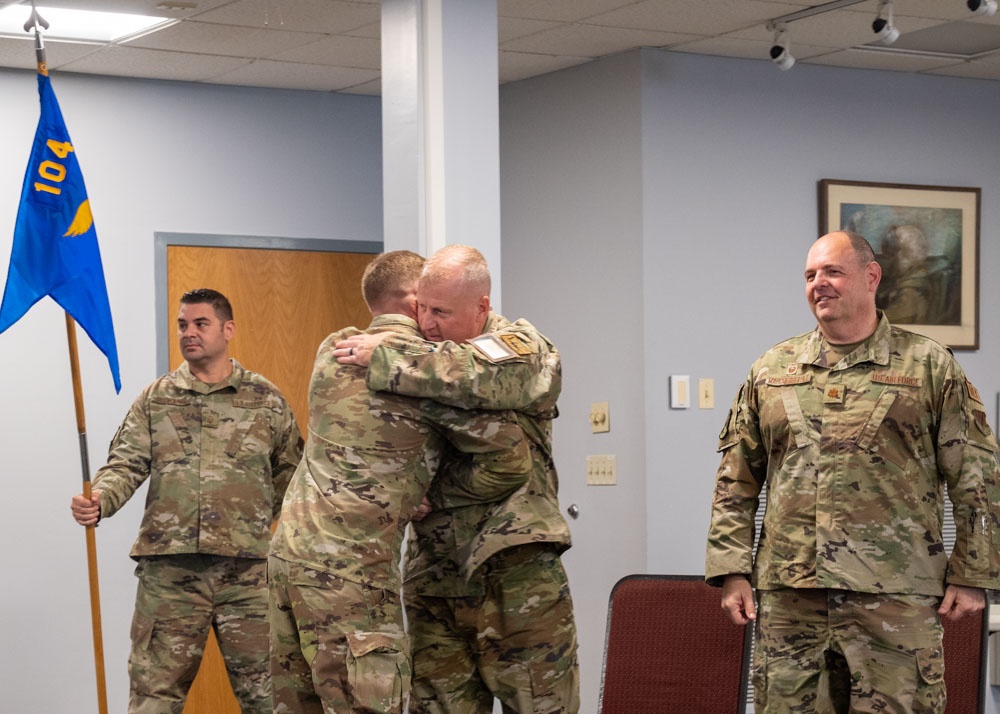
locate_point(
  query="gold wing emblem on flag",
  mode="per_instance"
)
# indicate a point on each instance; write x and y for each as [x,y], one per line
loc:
[82,221]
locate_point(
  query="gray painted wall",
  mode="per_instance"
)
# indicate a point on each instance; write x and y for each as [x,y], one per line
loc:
[571,221]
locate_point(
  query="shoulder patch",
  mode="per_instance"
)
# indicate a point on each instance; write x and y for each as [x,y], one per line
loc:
[973,392]
[494,348]
[516,343]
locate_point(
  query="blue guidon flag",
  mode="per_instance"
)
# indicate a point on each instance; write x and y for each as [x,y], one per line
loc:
[55,249]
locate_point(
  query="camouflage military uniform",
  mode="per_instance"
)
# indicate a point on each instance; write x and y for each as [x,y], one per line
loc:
[487,598]
[855,454]
[218,459]
[337,634]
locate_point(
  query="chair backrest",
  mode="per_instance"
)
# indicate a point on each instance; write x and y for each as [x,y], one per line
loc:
[965,643]
[670,648]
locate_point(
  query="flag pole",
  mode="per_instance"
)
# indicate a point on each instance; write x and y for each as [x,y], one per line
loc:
[95,591]
[81,428]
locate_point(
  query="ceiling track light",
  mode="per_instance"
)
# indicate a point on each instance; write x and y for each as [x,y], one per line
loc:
[885,31]
[982,7]
[781,55]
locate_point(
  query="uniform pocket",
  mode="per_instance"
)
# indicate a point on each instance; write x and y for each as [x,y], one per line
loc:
[896,430]
[378,672]
[170,437]
[930,665]
[904,681]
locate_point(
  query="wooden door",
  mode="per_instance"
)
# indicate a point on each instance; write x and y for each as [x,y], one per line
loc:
[285,302]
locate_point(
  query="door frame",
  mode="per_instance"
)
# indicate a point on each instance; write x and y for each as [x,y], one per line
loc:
[163,240]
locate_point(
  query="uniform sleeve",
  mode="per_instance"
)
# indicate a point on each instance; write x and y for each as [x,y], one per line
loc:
[285,455]
[738,484]
[528,378]
[967,460]
[129,459]
[495,455]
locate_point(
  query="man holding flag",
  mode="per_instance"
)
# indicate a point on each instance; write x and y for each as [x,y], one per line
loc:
[218,444]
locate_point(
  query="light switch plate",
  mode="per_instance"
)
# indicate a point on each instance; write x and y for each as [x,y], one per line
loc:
[706,393]
[601,470]
[600,418]
[680,391]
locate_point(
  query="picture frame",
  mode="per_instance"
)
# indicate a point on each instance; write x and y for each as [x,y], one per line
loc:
[926,238]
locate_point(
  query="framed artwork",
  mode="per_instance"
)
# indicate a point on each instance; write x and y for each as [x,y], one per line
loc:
[926,238]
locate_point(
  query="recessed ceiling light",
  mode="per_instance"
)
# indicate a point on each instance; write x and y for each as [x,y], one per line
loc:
[78,25]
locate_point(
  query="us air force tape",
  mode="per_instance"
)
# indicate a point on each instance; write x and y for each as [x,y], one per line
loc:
[500,347]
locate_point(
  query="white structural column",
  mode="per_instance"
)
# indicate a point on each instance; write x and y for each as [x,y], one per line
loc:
[440,127]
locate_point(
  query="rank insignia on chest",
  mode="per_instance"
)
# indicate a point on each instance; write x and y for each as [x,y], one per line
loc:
[209,419]
[833,395]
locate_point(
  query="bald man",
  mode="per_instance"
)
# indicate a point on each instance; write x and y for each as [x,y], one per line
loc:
[856,429]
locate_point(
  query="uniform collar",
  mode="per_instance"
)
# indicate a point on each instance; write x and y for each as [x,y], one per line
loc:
[187,381]
[394,323]
[875,349]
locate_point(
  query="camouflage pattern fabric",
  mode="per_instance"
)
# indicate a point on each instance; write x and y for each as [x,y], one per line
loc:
[336,646]
[218,459]
[178,599]
[369,458]
[468,650]
[855,455]
[453,546]
[833,651]
[530,380]
[451,543]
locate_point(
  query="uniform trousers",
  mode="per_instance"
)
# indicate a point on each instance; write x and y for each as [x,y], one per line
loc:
[336,646]
[834,651]
[517,642]
[178,599]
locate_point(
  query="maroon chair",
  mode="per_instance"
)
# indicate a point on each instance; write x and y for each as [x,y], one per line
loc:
[670,648]
[965,644]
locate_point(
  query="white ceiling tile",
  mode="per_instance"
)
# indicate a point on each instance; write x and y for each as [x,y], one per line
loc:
[132,7]
[372,89]
[288,75]
[590,41]
[340,50]
[332,16]
[372,31]
[20,53]
[509,28]
[559,10]
[153,64]
[206,38]
[865,59]
[521,65]
[691,16]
